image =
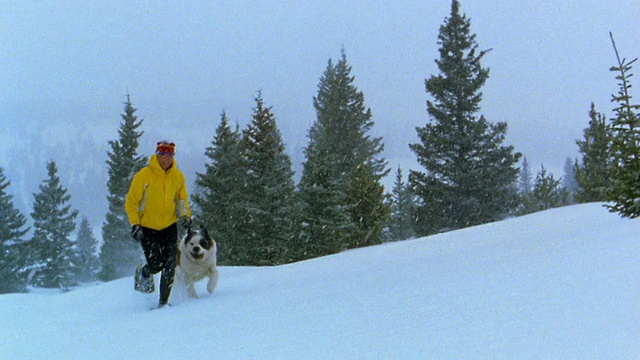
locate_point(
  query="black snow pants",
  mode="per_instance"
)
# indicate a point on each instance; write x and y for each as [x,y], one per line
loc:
[160,247]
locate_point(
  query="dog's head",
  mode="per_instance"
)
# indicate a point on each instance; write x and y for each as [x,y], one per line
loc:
[197,244]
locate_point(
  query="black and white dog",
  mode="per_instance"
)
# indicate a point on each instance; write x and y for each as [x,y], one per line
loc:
[197,257]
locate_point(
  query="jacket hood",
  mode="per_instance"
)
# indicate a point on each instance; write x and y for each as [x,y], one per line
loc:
[154,163]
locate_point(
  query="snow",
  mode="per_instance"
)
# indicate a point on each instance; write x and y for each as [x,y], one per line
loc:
[562,284]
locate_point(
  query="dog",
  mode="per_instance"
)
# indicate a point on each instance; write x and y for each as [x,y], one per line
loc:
[196,259]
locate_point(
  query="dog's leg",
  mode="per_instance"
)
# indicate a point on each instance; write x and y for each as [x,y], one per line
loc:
[191,289]
[213,281]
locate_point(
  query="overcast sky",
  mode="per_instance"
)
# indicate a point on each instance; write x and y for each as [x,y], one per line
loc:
[65,67]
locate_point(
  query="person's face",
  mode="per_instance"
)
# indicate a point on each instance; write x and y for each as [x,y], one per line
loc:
[165,160]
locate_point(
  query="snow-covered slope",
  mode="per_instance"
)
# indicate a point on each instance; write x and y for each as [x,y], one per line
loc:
[563,283]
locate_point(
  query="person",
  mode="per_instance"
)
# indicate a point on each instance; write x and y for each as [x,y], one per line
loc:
[157,199]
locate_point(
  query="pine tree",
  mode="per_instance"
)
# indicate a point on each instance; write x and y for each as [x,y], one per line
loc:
[370,206]
[525,183]
[12,230]
[87,264]
[569,181]
[219,194]
[324,219]
[53,219]
[593,173]
[270,189]
[341,159]
[119,252]
[547,193]
[625,147]
[401,225]
[470,177]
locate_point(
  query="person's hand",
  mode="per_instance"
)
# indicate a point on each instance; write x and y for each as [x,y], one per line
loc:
[185,222]
[136,233]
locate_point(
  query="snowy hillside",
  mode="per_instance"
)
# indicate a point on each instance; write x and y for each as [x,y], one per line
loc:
[562,284]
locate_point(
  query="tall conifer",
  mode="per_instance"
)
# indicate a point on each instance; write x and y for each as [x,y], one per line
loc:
[341,160]
[469,177]
[120,253]
[625,147]
[12,230]
[401,224]
[593,173]
[270,189]
[87,262]
[53,222]
[569,181]
[218,193]
[525,182]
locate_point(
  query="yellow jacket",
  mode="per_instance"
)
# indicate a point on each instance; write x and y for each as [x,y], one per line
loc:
[156,198]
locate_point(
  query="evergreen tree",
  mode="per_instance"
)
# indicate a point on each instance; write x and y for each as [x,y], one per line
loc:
[593,173]
[119,252]
[12,230]
[370,206]
[469,176]
[87,264]
[401,225]
[525,183]
[53,222]
[569,181]
[325,221]
[219,191]
[625,146]
[547,194]
[341,160]
[270,189]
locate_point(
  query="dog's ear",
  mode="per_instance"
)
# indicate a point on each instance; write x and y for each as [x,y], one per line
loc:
[206,242]
[187,236]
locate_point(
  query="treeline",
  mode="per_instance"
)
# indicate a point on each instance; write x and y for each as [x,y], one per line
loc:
[246,196]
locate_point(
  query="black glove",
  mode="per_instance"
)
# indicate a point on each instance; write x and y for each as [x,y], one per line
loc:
[136,233]
[185,222]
